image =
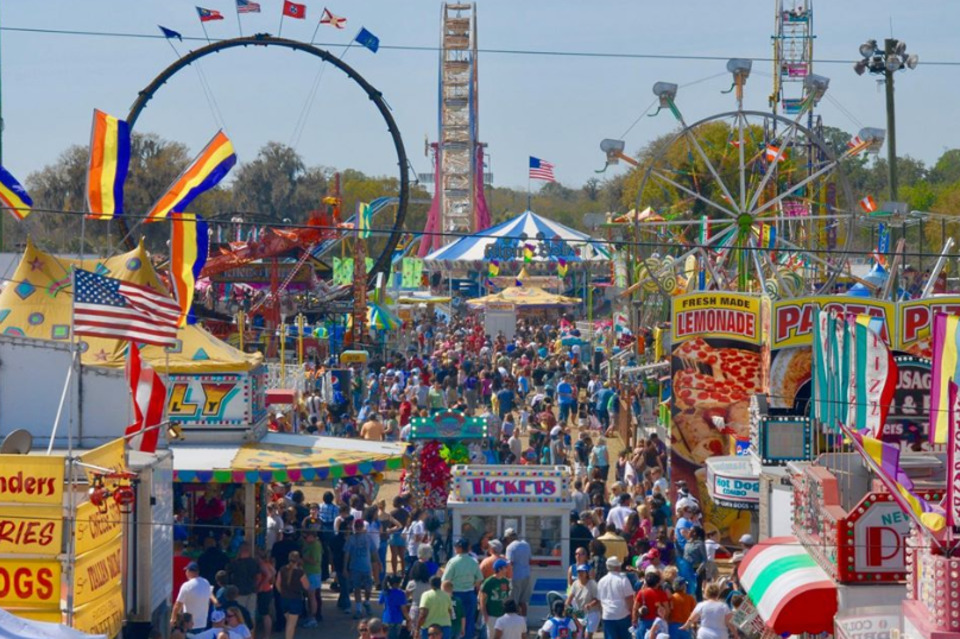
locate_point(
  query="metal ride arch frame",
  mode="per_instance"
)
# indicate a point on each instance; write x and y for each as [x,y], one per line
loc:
[262,39]
[744,220]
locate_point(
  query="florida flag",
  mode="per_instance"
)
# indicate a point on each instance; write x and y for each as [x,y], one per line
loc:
[333,20]
[149,396]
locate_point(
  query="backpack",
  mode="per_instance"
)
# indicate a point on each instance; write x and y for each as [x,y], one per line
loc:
[561,628]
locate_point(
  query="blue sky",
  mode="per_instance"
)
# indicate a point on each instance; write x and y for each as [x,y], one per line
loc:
[554,107]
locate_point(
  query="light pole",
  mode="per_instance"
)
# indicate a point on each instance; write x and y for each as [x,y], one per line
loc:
[886,61]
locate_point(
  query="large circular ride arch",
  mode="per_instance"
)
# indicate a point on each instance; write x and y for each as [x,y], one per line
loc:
[261,39]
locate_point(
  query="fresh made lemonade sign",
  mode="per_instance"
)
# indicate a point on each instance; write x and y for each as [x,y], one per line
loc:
[716,366]
[716,315]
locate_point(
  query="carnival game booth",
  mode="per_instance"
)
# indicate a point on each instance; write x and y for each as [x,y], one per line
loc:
[534,501]
[215,392]
[249,468]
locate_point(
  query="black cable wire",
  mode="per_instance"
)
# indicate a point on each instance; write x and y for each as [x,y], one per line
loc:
[435,49]
[383,231]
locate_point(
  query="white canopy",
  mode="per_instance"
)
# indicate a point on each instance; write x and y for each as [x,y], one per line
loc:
[14,627]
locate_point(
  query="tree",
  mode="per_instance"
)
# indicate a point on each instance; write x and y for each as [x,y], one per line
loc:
[592,189]
[947,168]
[277,185]
[61,188]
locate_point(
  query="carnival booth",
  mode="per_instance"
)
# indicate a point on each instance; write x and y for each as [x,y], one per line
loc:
[534,501]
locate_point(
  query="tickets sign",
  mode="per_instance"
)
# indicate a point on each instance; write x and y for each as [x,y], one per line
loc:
[793,319]
[95,528]
[103,616]
[718,315]
[97,572]
[30,582]
[31,531]
[31,479]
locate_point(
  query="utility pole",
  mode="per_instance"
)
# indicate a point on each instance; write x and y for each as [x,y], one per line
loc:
[889,49]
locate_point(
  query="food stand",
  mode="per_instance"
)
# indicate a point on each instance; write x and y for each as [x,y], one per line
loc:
[533,500]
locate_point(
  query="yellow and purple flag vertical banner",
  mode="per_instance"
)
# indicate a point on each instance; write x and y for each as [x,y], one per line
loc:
[204,173]
[884,459]
[946,360]
[873,375]
[189,247]
[561,267]
[109,163]
[952,500]
[13,195]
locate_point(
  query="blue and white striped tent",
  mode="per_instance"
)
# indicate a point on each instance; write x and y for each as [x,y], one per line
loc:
[548,241]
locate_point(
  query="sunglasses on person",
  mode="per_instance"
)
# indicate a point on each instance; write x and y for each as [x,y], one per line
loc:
[363,629]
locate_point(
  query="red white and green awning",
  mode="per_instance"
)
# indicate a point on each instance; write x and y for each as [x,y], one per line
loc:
[792,593]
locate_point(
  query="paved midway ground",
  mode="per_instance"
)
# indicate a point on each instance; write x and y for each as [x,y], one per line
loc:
[342,625]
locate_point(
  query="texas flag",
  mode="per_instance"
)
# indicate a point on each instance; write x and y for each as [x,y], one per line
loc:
[294,10]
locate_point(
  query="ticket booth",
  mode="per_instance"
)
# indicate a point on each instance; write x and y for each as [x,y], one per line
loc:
[533,500]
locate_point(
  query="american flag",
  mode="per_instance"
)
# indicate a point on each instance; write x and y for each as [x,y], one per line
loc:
[541,170]
[246,6]
[111,308]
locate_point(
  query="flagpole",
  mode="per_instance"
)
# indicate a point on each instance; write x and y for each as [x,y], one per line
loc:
[239,24]
[170,42]
[204,27]
[317,30]
[280,28]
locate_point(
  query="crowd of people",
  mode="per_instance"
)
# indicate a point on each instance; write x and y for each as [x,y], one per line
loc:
[643,564]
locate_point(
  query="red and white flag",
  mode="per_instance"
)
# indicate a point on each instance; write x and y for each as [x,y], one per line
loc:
[294,10]
[334,21]
[149,398]
[772,153]
[868,204]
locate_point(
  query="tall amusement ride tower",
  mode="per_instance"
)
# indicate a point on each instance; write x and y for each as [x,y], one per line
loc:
[458,203]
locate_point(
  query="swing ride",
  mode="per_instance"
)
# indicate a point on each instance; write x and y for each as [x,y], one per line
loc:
[745,200]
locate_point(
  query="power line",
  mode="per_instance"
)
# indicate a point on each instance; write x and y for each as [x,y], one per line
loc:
[658,245]
[435,49]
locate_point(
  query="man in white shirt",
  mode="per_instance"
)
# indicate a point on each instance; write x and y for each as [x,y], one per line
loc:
[416,534]
[660,482]
[516,446]
[617,516]
[616,599]
[510,625]
[194,597]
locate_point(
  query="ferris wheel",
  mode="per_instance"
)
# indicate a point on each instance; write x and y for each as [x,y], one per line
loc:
[744,200]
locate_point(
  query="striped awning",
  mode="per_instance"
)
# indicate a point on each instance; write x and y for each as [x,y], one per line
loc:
[792,593]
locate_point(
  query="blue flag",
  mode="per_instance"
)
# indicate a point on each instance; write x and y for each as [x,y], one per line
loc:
[368,40]
[170,33]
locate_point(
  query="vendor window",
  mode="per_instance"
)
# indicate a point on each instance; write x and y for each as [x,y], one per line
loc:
[544,535]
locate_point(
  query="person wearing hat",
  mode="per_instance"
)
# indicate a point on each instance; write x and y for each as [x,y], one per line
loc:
[746,543]
[463,572]
[495,552]
[194,597]
[217,627]
[583,597]
[651,559]
[493,593]
[682,604]
[519,554]
[616,598]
